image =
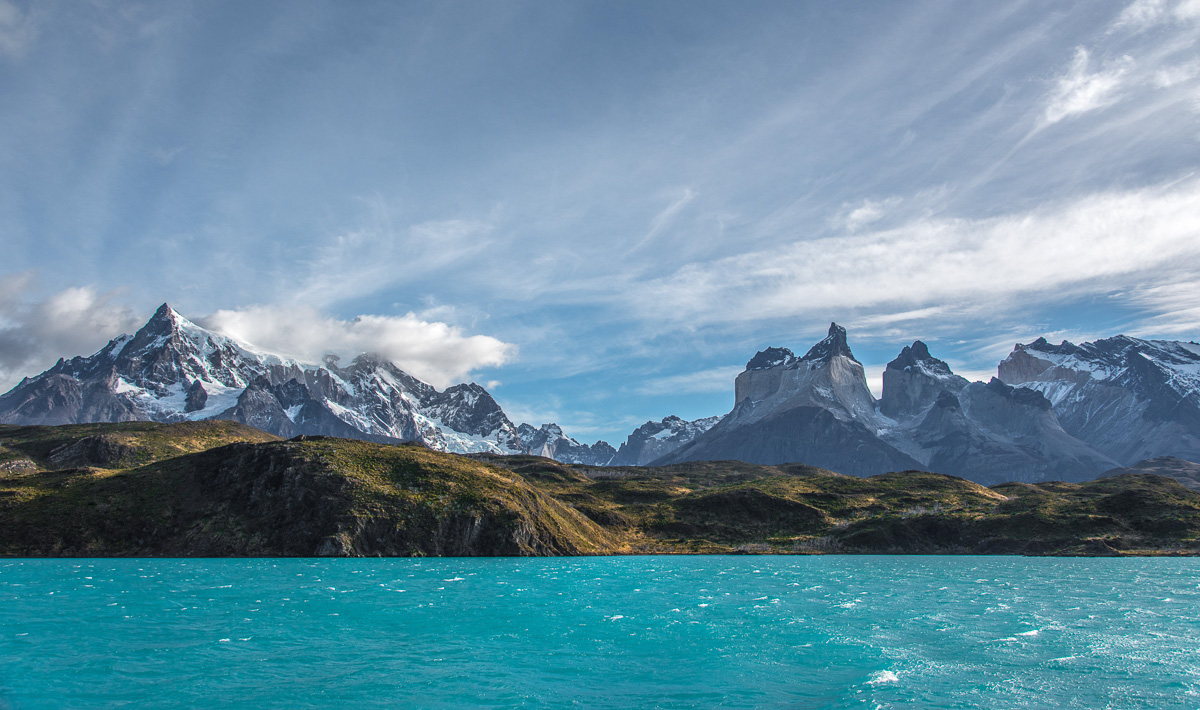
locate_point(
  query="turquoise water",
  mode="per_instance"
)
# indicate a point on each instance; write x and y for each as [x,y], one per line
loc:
[626,632]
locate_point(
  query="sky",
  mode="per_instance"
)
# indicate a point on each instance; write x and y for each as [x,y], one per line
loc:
[599,210]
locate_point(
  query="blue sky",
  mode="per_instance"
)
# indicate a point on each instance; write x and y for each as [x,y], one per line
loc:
[599,210]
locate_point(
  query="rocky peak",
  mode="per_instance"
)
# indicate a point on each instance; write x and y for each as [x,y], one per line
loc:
[833,344]
[162,326]
[914,380]
[771,357]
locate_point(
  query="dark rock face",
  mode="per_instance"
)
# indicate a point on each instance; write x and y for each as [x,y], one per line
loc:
[99,450]
[809,434]
[50,399]
[1129,398]
[771,357]
[833,344]
[197,397]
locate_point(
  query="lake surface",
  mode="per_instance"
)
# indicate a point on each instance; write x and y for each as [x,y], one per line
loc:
[624,632]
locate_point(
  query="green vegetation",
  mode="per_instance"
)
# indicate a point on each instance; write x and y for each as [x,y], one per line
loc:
[223,489]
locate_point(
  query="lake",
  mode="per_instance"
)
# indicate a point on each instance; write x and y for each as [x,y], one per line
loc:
[601,632]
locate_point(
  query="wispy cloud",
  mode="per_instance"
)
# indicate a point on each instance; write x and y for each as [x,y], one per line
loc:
[1142,14]
[1054,249]
[663,219]
[1173,307]
[867,212]
[717,379]
[438,353]
[1081,90]
[382,254]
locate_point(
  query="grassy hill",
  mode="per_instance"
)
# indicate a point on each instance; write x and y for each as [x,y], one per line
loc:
[223,489]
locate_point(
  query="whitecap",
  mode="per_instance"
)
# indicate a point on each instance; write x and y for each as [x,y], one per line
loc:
[881,677]
[1029,633]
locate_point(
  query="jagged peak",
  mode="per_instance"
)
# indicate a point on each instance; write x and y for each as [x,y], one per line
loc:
[917,355]
[771,357]
[834,344]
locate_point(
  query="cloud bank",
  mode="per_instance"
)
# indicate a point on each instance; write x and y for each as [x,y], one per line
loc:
[35,332]
[1118,237]
[437,353]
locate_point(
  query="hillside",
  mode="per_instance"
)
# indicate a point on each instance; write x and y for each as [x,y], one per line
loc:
[223,489]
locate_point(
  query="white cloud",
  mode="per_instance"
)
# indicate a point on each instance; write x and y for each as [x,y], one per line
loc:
[35,332]
[1141,14]
[868,212]
[1089,244]
[1080,90]
[1188,11]
[718,379]
[438,353]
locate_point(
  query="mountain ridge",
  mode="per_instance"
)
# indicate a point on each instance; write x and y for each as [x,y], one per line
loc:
[1054,411]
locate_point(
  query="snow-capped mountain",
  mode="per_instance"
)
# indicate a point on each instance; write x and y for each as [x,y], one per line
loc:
[174,370]
[653,440]
[818,409]
[1131,399]
[550,441]
[988,432]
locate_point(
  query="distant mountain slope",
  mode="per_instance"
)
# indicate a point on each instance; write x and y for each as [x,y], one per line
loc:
[550,441]
[985,432]
[1129,398]
[1186,472]
[174,370]
[818,409]
[653,440]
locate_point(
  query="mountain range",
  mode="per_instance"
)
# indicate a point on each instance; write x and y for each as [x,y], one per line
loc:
[1055,412]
